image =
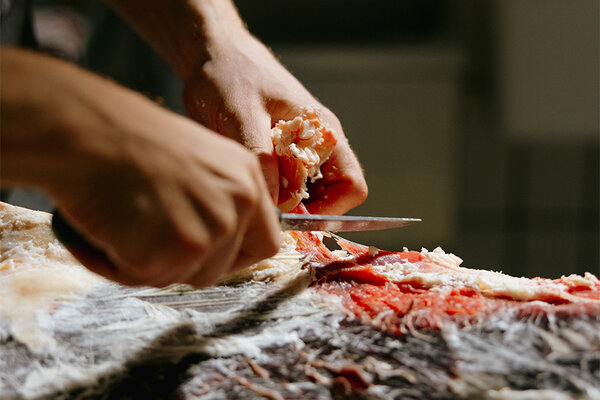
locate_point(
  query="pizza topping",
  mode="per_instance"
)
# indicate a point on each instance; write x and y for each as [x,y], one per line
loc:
[302,145]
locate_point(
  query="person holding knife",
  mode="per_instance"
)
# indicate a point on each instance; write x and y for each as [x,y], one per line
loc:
[166,198]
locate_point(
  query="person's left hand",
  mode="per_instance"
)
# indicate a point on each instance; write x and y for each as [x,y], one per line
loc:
[240,90]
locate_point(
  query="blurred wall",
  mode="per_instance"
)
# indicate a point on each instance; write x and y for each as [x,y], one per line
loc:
[549,69]
[530,138]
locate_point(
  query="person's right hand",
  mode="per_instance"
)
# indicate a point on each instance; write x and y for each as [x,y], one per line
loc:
[166,199]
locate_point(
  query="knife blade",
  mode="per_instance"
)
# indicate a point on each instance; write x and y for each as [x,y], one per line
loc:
[82,249]
[340,223]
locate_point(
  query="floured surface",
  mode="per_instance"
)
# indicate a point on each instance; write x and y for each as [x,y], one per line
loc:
[306,324]
[66,330]
[36,273]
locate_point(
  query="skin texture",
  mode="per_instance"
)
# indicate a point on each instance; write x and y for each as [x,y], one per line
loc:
[166,199]
[163,197]
[236,87]
[215,96]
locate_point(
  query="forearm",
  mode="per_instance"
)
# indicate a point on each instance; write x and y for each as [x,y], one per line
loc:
[183,31]
[49,111]
[165,199]
[30,116]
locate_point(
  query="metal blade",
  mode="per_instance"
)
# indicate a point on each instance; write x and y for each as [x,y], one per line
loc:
[340,223]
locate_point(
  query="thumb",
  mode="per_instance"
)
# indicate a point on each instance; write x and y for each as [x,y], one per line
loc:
[246,121]
[251,126]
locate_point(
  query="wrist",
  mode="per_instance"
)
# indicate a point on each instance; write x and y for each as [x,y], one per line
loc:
[212,25]
[183,32]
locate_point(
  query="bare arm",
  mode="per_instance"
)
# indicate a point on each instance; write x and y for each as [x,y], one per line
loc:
[166,199]
[235,86]
[183,32]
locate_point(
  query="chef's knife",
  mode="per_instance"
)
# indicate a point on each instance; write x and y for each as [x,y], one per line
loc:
[340,223]
[289,222]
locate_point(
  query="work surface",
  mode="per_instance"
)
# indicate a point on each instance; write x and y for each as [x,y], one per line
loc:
[265,335]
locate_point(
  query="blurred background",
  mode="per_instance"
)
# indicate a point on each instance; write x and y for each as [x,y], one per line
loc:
[481,117]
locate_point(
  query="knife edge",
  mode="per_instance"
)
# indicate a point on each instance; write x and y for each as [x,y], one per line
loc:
[341,223]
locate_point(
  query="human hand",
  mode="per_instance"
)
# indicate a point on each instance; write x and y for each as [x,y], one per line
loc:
[165,199]
[235,86]
[180,204]
[241,91]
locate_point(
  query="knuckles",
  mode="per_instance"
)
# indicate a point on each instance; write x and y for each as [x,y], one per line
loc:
[272,244]
[247,187]
[169,264]
[360,191]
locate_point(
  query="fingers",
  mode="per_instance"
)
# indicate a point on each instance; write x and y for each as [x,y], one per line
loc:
[258,238]
[270,172]
[253,236]
[343,185]
[251,126]
[95,261]
[98,261]
[241,92]
[241,118]
[263,238]
[217,263]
